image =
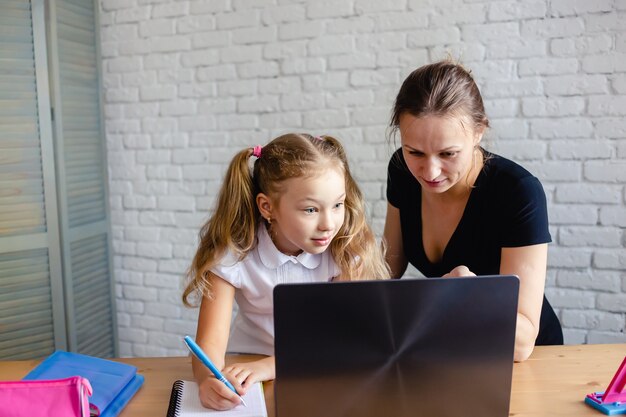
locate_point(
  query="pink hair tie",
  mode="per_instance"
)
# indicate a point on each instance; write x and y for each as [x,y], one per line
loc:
[318,138]
[256,151]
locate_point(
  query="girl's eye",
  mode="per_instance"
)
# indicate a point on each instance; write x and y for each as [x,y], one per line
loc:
[338,205]
[309,210]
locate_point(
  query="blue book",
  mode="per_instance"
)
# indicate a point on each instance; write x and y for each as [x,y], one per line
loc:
[113,383]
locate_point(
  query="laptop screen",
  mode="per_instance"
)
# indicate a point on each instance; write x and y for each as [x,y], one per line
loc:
[409,347]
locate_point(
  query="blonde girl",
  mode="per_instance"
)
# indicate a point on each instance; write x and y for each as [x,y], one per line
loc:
[297,216]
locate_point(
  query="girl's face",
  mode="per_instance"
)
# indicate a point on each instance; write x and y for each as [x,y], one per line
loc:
[440,151]
[309,212]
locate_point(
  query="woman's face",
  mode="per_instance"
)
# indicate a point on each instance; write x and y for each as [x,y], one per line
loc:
[440,151]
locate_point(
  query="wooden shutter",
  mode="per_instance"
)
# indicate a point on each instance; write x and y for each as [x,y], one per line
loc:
[32,322]
[82,177]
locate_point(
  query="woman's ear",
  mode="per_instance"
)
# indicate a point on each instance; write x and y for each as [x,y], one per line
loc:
[264,204]
[478,134]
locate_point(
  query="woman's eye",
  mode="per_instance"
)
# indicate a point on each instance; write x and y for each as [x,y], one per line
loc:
[449,154]
[338,205]
[309,210]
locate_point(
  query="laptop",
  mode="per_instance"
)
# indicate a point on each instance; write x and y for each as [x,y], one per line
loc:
[433,347]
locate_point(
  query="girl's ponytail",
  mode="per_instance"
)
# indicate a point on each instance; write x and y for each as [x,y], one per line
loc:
[231,227]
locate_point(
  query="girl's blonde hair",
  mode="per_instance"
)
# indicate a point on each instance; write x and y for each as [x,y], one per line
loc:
[236,218]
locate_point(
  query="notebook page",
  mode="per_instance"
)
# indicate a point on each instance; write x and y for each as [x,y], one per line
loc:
[254,398]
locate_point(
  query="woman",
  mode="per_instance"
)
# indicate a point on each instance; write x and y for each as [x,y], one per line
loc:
[455,209]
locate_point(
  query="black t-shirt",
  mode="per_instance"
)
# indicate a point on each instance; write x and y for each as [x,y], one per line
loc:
[506,208]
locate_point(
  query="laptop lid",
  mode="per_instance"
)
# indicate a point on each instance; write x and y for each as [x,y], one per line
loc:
[410,347]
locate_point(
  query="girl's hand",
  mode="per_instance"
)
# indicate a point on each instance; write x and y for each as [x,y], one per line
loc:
[460,271]
[244,375]
[216,395]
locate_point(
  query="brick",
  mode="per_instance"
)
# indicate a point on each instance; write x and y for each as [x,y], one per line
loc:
[541,107]
[612,302]
[501,107]
[605,171]
[571,85]
[328,81]
[555,171]
[607,105]
[352,61]
[199,58]
[197,123]
[580,46]
[254,35]
[209,6]
[552,28]
[276,15]
[393,21]
[519,150]
[329,8]
[431,37]
[571,298]
[609,259]
[592,320]
[588,193]
[563,127]
[471,13]
[364,78]
[325,119]
[331,45]
[612,128]
[210,39]
[559,257]
[246,18]
[578,7]
[304,101]
[548,66]
[490,32]
[517,48]
[382,42]
[237,121]
[350,98]
[602,281]
[241,53]
[217,73]
[573,214]
[193,24]
[377,6]
[606,337]
[512,88]
[613,216]
[581,236]
[370,116]
[303,66]
[300,30]
[513,10]
[259,104]
[285,50]
[237,88]
[258,70]
[604,63]
[584,149]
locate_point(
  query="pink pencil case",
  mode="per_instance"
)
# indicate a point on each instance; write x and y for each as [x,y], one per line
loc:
[67,397]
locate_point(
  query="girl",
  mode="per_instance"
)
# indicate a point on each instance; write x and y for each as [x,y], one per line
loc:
[455,209]
[298,217]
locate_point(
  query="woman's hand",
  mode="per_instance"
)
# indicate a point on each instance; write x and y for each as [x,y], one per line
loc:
[460,271]
[244,375]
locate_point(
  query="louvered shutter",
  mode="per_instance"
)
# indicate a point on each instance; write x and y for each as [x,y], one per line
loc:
[32,322]
[82,179]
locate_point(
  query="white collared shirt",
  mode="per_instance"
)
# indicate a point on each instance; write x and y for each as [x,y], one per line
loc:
[255,278]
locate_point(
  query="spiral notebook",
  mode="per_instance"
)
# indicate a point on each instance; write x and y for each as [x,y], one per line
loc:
[184,402]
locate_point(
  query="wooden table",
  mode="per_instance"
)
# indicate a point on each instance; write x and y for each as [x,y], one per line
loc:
[553,382]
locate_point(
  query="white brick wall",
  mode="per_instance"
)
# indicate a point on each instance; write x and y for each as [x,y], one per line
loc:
[190,82]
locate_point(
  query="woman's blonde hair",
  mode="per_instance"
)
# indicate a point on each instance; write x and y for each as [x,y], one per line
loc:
[236,218]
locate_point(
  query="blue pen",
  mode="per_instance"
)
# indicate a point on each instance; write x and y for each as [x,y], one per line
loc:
[197,350]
